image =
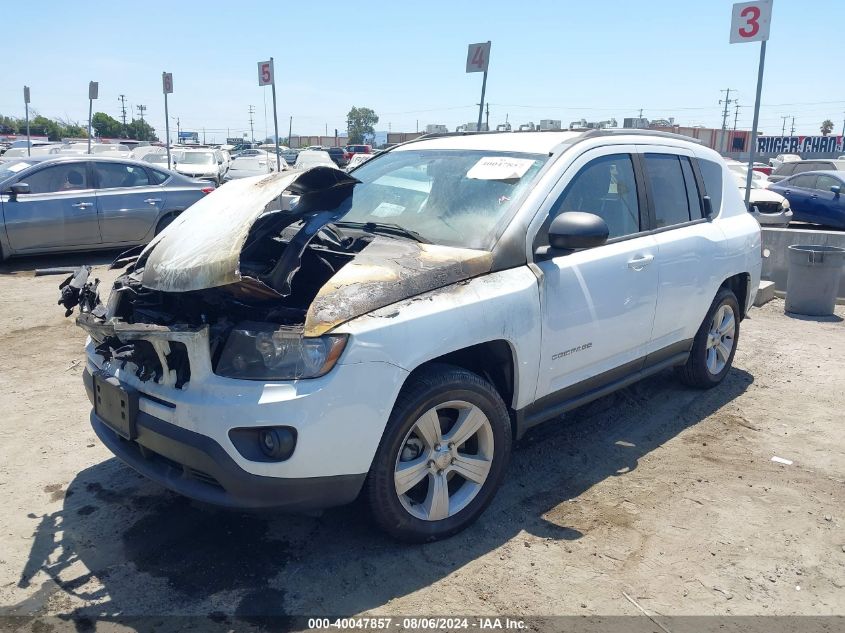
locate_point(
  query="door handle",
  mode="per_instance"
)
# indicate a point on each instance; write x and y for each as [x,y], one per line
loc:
[83,205]
[152,200]
[814,196]
[640,262]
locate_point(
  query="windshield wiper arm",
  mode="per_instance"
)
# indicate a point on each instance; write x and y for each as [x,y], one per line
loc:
[388,228]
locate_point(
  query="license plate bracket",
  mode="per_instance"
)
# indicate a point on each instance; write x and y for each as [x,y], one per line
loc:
[116,405]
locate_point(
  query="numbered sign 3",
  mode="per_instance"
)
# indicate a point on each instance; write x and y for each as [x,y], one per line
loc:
[265,73]
[478,57]
[750,21]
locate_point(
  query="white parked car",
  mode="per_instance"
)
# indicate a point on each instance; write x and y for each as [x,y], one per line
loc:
[395,332]
[357,160]
[308,158]
[203,164]
[246,166]
[780,159]
[767,207]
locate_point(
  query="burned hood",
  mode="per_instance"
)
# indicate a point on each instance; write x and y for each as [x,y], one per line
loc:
[201,248]
[386,271]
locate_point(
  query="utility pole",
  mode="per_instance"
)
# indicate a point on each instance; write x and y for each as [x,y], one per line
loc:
[203,136]
[641,113]
[792,130]
[122,99]
[783,128]
[736,113]
[727,101]
[251,124]
[487,123]
[178,130]
[141,110]
[290,131]
[843,126]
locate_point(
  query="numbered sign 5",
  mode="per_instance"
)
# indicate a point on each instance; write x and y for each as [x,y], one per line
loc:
[265,73]
[750,21]
[478,57]
[167,83]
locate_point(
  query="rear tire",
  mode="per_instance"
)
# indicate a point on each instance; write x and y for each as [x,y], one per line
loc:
[164,222]
[715,343]
[422,485]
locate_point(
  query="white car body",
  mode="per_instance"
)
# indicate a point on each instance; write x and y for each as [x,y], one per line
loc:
[358,159]
[564,321]
[313,158]
[780,159]
[248,166]
[203,164]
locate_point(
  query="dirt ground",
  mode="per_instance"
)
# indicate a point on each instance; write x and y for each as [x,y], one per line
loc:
[660,492]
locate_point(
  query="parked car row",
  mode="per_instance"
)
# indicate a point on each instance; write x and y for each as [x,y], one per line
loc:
[65,203]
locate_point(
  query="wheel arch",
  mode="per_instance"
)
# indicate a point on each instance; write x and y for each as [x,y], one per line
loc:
[739,285]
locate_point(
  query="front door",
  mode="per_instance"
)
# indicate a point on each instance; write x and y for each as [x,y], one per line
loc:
[60,210]
[598,304]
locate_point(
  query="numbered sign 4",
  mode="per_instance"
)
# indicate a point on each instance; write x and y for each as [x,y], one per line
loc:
[750,21]
[265,73]
[478,57]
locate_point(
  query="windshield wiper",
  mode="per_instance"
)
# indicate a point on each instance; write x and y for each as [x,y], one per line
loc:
[388,228]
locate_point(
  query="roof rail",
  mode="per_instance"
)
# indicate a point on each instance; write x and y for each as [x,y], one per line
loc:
[640,132]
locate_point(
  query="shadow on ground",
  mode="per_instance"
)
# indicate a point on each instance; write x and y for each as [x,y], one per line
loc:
[144,551]
[28,265]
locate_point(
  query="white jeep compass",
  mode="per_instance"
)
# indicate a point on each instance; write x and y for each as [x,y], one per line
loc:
[299,339]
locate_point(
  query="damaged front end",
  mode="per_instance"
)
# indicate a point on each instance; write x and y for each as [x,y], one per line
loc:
[242,287]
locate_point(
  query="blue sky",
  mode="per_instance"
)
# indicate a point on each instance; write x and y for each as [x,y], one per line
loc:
[559,60]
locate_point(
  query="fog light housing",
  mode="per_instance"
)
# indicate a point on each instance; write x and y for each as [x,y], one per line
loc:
[264,444]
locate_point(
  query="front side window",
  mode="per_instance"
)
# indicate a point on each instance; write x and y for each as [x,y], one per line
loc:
[824,183]
[668,189]
[58,178]
[607,188]
[114,175]
[458,198]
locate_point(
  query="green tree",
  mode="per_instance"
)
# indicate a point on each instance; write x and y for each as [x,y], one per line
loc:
[106,125]
[72,130]
[360,122]
[141,131]
[827,127]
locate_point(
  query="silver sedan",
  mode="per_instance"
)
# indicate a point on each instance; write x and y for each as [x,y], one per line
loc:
[84,202]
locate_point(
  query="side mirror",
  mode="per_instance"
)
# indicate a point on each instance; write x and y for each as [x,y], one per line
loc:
[574,230]
[18,189]
[836,189]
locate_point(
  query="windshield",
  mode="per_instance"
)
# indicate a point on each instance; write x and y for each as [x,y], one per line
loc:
[198,158]
[456,198]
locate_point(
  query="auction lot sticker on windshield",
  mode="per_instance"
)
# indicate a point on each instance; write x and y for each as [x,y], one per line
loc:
[500,168]
[16,167]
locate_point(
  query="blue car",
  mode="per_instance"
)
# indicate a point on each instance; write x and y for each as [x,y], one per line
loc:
[815,196]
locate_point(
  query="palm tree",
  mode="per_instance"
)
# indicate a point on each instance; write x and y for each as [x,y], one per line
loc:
[827,127]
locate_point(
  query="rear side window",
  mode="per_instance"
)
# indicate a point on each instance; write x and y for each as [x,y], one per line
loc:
[116,175]
[693,195]
[802,166]
[157,177]
[668,189]
[606,187]
[803,182]
[711,173]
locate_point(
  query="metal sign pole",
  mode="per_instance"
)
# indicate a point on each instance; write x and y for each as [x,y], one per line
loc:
[90,110]
[26,109]
[167,129]
[753,150]
[481,105]
[276,120]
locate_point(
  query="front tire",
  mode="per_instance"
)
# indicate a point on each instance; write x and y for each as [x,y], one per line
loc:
[715,343]
[443,455]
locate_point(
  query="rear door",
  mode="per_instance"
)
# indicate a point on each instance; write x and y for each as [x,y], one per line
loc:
[798,190]
[60,210]
[688,244]
[128,203]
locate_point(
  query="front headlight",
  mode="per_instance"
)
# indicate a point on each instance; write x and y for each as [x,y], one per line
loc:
[263,351]
[784,206]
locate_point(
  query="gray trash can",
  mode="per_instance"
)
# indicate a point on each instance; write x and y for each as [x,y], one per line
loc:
[813,279]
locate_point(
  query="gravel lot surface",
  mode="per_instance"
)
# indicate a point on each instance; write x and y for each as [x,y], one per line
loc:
[660,492]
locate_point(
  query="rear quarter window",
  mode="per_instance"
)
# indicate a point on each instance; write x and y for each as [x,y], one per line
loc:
[711,173]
